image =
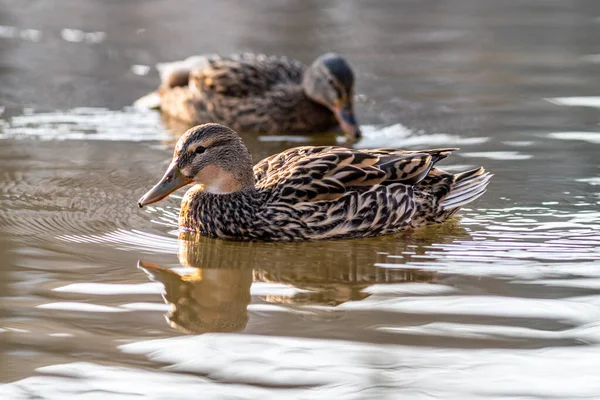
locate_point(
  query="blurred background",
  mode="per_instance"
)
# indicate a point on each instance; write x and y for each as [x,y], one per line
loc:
[503,302]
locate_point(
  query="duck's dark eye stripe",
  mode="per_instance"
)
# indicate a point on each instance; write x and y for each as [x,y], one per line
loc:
[200,150]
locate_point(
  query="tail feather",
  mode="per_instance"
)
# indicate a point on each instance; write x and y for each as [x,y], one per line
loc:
[176,73]
[151,101]
[467,187]
[462,185]
[173,74]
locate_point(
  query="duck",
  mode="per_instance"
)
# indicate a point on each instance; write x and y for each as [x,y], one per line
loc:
[309,192]
[256,93]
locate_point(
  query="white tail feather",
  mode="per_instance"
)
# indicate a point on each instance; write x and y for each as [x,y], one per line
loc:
[151,101]
[463,185]
[466,190]
[191,63]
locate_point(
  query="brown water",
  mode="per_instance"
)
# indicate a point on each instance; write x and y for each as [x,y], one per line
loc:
[501,303]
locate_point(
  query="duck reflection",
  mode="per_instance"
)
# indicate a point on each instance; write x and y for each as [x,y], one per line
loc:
[205,300]
[213,293]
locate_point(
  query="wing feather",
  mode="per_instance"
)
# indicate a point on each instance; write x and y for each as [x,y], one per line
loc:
[243,75]
[311,174]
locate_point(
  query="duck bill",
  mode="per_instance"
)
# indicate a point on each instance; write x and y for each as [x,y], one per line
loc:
[170,182]
[347,121]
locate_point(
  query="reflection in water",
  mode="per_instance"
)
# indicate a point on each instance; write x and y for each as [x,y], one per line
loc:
[206,300]
[213,296]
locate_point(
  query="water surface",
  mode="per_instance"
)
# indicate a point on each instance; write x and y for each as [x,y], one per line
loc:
[99,298]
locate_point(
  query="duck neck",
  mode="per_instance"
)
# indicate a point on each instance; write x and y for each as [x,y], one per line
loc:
[219,214]
[220,180]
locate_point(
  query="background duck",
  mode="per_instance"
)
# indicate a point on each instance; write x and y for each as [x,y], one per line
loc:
[309,193]
[254,93]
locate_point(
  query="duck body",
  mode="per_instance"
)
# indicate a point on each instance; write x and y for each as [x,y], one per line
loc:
[314,193]
[254,93]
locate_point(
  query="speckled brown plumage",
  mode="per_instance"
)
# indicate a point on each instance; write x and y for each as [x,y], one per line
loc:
[325,193]
[251,93]
[312,193]
[309,193]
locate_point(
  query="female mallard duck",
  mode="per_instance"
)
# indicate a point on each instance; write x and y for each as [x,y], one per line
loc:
[259,94]
[309,193]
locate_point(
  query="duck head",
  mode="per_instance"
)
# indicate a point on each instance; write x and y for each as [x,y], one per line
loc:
[211,155]
[330,81]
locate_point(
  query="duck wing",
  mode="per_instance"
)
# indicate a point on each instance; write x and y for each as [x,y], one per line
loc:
[240,75]
[204,84]
[309,174]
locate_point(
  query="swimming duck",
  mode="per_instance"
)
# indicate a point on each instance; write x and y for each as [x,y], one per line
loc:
[309,193]
[254,93]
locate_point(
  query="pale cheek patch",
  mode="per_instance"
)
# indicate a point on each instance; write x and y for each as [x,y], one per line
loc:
[186,171]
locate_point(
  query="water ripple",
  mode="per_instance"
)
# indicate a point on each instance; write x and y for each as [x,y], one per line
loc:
[582,101]
[128,240]
[590,137]
[89,124]
[399,136]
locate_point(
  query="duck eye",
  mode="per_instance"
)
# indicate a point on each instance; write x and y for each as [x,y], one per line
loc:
[200,150]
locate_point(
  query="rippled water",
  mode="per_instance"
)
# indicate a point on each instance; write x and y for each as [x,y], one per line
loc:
[101,299]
